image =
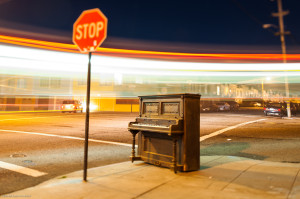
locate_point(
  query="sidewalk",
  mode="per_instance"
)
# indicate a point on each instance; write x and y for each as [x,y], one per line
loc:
[223,177]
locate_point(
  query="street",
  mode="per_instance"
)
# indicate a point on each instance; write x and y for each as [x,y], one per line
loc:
[35,147]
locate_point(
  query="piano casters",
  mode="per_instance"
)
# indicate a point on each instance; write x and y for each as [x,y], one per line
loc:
[132,157]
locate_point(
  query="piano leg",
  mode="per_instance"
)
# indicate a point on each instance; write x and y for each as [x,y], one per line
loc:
[174,155]
[132,157]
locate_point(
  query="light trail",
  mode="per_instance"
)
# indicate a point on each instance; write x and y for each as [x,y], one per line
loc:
[25,118]
[20,60]
[34,62]
[146,54]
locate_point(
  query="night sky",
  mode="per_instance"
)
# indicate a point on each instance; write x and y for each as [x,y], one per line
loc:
[216,22]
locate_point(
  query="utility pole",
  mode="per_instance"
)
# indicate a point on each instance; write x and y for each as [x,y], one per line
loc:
[281,32]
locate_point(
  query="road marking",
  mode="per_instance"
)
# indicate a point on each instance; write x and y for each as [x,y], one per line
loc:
[20,169]
[68,137]
[239,115]
[202,138]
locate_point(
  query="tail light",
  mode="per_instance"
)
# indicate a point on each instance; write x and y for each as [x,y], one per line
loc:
[278,109]
[265,108]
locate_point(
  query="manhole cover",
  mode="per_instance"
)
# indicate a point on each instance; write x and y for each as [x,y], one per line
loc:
[17,155]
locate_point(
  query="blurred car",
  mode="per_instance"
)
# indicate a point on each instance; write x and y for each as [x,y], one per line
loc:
[71,106]
[297,105]
[223,106]
[209,108]
[279,109]
[234,106]
[294,108]
[256,104]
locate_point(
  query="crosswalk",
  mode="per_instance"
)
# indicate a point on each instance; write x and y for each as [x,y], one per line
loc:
[20,169]
[202,138]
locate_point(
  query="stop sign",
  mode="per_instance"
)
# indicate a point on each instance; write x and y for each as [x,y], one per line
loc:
[89,30]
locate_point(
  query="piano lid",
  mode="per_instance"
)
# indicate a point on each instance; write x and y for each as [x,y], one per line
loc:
[164,106]
[165,96]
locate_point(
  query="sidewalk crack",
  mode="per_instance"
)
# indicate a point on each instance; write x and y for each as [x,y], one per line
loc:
[290,192]
[239,175]
[153,188]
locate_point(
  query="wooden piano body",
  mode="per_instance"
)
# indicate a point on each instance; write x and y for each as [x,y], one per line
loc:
[168,129]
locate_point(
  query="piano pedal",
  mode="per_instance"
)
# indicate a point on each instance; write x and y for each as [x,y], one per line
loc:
[157,163]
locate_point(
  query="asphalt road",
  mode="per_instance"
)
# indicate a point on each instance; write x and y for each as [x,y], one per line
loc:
[51,144]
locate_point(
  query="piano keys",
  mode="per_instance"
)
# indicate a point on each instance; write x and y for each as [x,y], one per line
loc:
[168,129]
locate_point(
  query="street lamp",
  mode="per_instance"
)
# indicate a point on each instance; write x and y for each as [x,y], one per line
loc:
[281,32]
[266,26]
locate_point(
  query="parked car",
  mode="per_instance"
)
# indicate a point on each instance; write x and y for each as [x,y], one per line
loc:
[279,109]
[223,106]
[71,106]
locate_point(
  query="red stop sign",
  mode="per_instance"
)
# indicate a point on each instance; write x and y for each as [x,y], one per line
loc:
[89,30]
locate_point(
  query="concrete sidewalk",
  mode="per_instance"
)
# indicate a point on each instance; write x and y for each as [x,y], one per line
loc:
[223,177]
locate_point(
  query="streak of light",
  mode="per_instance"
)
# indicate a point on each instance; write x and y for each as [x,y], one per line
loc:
[34,111]
[20,60]
[143,54]
[26,118]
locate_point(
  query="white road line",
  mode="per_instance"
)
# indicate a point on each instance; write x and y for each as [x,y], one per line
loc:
[68,137]
[20,169]
[202,138]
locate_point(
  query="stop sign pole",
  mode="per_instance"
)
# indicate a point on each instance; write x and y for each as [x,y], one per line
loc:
[87,119]
[89,31]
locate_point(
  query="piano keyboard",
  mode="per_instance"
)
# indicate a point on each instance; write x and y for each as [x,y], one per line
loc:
[149,125]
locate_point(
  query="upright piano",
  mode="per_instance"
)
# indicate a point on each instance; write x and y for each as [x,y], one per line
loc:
[168,129]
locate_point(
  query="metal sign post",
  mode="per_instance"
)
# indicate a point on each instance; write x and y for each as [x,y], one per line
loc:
[87,119]
[89,31]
